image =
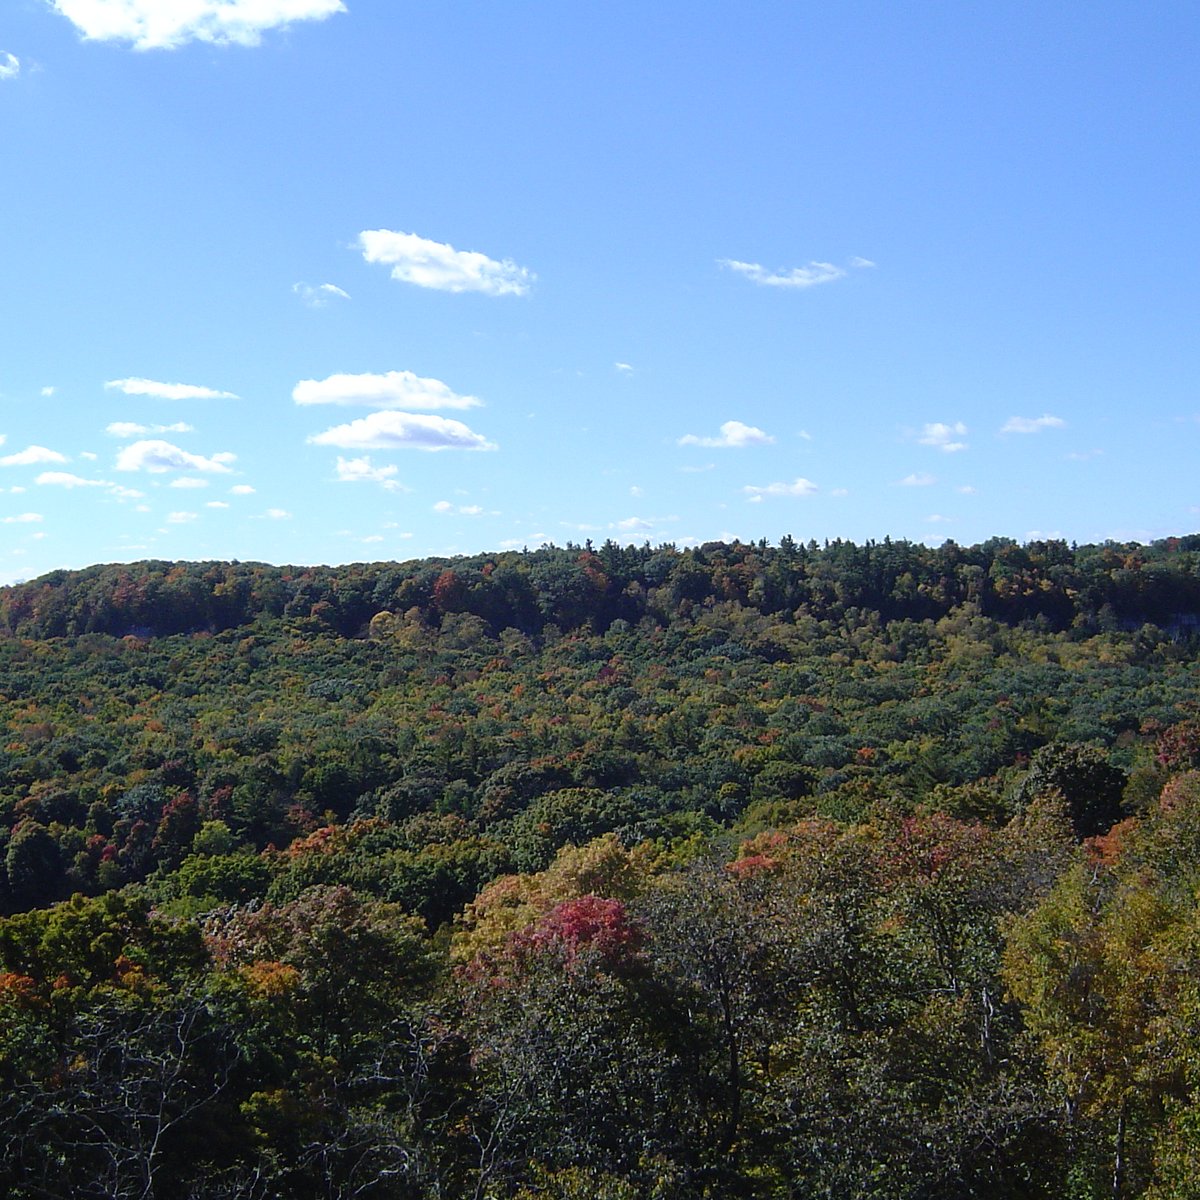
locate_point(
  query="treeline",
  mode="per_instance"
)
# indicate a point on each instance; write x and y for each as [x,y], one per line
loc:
[588,588]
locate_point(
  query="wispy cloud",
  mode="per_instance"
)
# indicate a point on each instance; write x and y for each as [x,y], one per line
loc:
[945,437]
[392,430]
[320,294]
[798,487]
[188,481]
[167,24]
[32,455]
[624,368]
[10,66]
[1032,424]
[436,265]
[918,479]
[361,470]
[158,456]
[166,391]
[29,518]
[792,277]
[446,508]
[128,429]
[181,518]
[396,389]
[67,480]
[733,435]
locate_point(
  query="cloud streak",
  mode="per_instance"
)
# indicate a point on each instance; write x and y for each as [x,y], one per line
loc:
[439,266]
[798,487]
[128,429]
[319,295]
[396,389]
[812,275]
[168,24]
[1032,424]
[392,430]
[32,455]
[10,66]
[166,391]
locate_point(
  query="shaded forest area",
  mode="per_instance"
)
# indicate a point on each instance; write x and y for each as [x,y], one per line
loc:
[746,870]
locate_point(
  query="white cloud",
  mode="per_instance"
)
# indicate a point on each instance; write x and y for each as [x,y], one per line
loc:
[128,429]
[633,525]
[921,479]
[1032,424]
[447,509]
[966,490]
[428,264]
[188,481]
[393,430]
[396,389]
[241,489]
[22,519]
[277,514]
[10,66]
[635,491]
[947,438]
[167,391]
[167,24]
[360,470]
[733,434]
[158,456]
[794,277]
[624,368]
[31,455]
[47,392]
[938,519]
[67,480]
[319,295]
[216,504]
[798,487]
[181,518]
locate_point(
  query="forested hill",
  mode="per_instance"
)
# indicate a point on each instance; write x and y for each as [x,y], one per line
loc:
[588,588]
[777,872]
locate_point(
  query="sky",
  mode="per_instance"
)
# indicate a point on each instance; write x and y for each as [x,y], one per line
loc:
[323,281]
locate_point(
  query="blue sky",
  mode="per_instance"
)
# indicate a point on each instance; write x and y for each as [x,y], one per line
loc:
[334,280]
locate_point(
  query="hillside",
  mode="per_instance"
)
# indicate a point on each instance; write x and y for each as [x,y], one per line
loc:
[753,870]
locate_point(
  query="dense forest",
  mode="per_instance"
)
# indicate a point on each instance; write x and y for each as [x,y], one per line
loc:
[630,873]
